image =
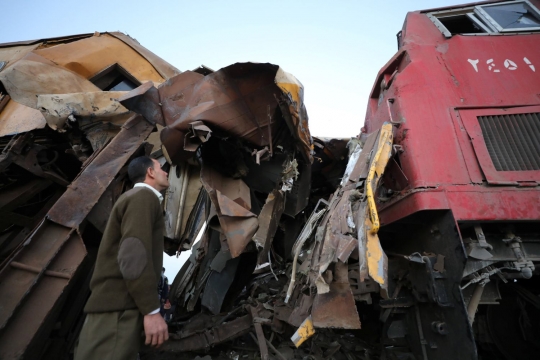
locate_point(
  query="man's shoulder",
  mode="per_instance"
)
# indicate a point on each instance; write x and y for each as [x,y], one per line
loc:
[139,193]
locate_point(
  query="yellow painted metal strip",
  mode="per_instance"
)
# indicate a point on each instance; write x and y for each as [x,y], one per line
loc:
[378,163]
[304,332]
[292,89]
[376,259]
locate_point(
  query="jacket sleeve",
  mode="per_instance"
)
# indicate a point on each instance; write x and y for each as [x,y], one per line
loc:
[135,258]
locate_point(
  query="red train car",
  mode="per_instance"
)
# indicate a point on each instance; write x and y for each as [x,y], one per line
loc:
[460,201]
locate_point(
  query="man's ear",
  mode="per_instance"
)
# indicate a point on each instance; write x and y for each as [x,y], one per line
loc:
[150,172]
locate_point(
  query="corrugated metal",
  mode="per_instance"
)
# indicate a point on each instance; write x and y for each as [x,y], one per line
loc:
[513,141]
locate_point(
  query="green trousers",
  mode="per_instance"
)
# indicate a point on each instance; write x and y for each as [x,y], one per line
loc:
[110,336]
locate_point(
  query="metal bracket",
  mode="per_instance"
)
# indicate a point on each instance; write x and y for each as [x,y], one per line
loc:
[522,264]
[478,249]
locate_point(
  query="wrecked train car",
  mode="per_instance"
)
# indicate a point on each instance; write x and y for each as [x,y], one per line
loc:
[430,238]
[76,109]
[421,234]
[458,204]
[65,141]
[259,175]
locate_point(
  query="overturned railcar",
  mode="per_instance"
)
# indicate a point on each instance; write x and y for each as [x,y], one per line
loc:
[236,142]
[64,142]
[459,200]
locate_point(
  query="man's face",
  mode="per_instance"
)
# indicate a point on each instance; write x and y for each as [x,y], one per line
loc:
[161,177]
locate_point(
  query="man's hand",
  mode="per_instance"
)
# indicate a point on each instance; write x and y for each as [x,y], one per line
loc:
[155,329]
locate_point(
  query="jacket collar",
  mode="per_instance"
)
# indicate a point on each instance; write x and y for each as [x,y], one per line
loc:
[158,194]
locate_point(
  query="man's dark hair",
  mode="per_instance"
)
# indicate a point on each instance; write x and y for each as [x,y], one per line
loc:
[137,168]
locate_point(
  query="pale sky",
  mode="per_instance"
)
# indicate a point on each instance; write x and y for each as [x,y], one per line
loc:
[335,48]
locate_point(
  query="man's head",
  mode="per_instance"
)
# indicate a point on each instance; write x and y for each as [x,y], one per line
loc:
[147,170]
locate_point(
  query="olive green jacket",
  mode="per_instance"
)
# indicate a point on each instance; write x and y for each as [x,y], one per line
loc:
[130,256]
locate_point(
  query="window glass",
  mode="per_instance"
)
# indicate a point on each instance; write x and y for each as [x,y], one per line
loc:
[513,16]
[123,84]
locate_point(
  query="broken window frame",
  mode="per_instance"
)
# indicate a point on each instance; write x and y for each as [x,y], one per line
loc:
[482,19]
[114,67]
[534,11]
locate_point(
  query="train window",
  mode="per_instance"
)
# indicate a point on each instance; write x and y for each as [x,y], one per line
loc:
[512,16]
[115,78]
[459,21]
[462,24]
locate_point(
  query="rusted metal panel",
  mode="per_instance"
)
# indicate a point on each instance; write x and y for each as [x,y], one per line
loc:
[42,247]
[232,201]
[269,219]
[144,100]
[230,95]
[301,310]
[17,283]
[261,340]
[35,316]
[243,103]
[213,336]
[43,253]
[90,185]
[337,242]
[336,309]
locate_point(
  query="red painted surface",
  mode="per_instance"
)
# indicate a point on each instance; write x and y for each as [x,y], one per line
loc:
[435,92]
[481,203]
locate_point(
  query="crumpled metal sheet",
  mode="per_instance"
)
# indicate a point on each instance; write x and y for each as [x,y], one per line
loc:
[246,127]
[16,118]
[295,93]
[212,336]
[336,308]
[197,134]
[234,99]
[43,252]
[241,99]
[338,243]
[100,171]
[232,200]
[89,56]
[57,109]
[144,100]
[34,75]
[40,67]
[268,223]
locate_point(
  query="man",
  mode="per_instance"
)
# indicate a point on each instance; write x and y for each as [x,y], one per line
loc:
[124,297]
